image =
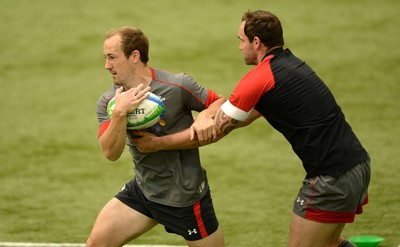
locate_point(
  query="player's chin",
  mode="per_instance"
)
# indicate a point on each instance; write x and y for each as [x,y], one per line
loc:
[116,80]
[249,62]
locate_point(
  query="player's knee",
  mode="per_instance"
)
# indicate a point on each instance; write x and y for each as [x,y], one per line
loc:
[91,242]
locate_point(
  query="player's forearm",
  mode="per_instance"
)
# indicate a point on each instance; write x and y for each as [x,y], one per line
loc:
[225,124]
[113,140]
[203,128]
[185,139]
[180,140]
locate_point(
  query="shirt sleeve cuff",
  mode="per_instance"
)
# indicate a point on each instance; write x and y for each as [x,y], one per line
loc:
[234,112]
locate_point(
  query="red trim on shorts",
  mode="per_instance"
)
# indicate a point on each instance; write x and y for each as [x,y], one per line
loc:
[199,219]
[334,217]
[313,191]
[360,207]
[329,217]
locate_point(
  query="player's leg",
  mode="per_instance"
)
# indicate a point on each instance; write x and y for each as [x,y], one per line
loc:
[337,240]
[307,233]
[117,224]
[216,239]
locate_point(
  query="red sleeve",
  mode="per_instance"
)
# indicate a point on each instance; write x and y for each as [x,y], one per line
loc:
[252,86]
[212,96]
[103,128]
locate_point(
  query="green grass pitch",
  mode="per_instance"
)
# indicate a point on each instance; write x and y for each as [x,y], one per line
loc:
[53,177]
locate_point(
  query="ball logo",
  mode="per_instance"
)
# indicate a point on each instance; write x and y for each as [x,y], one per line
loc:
[139,111]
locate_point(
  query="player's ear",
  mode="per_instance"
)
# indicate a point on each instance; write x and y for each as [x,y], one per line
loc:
[257,42]
[135,56]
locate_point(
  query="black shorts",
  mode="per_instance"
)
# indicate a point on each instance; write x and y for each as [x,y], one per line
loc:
[193,222]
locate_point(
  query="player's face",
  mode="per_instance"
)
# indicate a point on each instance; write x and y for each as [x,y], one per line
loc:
[116,61]
[247,48]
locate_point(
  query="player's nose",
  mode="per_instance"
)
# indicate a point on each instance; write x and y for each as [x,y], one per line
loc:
[107,65]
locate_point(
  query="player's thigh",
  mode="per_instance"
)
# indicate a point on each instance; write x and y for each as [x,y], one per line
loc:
[307,233]
[216,239]
[117,223]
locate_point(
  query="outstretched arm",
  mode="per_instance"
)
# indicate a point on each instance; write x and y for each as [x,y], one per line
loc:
[203,129]
[147,142]
[225,124]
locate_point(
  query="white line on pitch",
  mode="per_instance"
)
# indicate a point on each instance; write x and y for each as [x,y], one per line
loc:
[16,244]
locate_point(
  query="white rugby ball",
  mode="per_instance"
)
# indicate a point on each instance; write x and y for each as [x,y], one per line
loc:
[147,114]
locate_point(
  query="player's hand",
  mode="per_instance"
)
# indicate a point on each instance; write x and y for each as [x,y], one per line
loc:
[144,141]
[129,100]
[204,129]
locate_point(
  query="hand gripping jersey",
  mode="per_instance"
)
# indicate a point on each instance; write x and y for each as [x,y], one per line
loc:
[173,178]
[297,103]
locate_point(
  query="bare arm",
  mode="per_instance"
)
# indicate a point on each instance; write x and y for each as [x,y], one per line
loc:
[203,128]
[225,124]
[112,141]
[188,138]
[148,142]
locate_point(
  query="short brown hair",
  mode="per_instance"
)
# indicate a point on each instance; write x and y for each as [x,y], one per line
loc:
[132,39]
[264,25]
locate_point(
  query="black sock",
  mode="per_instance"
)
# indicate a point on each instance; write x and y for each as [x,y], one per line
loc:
[346,243]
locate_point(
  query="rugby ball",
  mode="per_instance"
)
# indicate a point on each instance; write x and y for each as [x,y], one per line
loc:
[147,114]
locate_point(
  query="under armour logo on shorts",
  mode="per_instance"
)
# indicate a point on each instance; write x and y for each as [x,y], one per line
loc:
[194,231]
[301,201]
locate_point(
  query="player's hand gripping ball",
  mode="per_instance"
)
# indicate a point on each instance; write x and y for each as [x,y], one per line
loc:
[147,114]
